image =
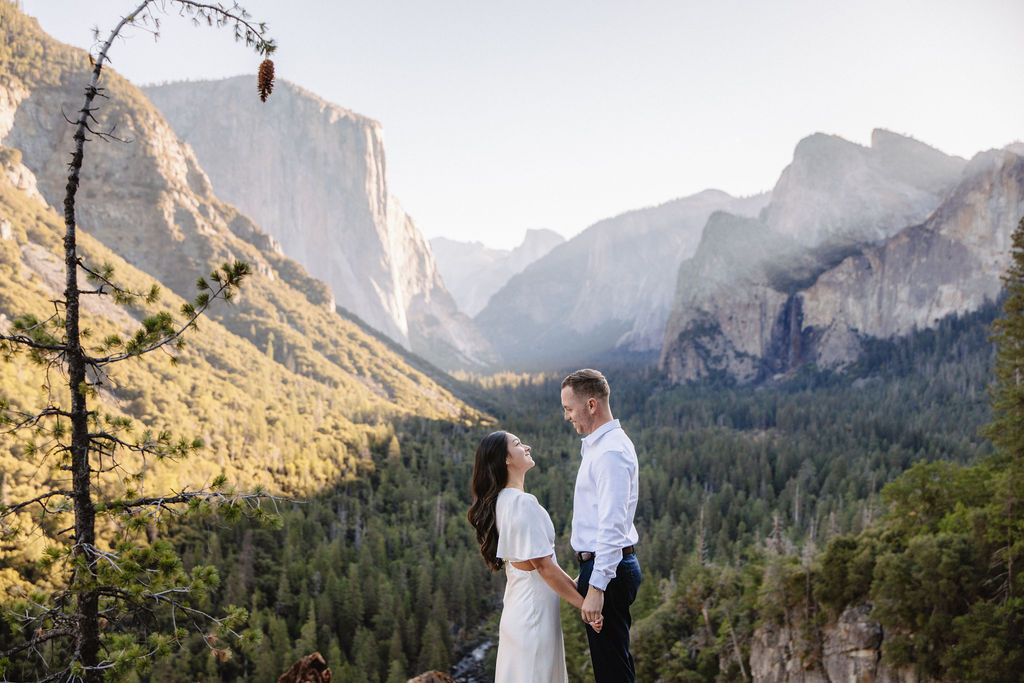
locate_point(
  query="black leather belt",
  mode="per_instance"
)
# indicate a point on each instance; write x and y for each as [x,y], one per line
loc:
[587,556]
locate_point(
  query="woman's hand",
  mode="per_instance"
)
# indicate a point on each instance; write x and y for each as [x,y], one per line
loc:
[597,624]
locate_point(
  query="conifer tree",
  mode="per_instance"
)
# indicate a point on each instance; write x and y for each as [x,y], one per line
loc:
[1007,394]
[103,619]
[1007,427]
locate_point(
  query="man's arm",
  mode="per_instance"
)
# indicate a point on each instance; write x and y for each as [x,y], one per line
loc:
[612,473]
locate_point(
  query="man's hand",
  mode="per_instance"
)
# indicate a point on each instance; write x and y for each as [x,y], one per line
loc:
[593,603]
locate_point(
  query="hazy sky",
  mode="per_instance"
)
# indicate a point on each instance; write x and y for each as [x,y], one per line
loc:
[503,116]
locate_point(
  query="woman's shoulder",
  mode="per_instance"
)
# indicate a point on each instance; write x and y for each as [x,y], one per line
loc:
[518,499]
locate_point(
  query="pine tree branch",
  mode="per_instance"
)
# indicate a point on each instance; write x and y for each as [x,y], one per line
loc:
[225,287]
[10,509]
[29,342]
[106,280]
[165,502]
[30,420]
[237,14]
[39,638]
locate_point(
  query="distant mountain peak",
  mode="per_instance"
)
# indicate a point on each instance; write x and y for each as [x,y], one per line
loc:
[857,243]
[473,271]
[831,189]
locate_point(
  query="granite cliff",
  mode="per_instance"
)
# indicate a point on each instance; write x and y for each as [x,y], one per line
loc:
[606,291]
[848,648]
[917,237]
[313,176]
[474,272]
[149,202]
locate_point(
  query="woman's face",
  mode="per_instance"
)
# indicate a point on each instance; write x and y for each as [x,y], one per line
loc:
[518,458]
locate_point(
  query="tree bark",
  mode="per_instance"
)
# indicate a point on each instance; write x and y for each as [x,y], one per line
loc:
[87,612]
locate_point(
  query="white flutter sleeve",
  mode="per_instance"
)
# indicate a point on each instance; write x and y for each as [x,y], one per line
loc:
[525,531]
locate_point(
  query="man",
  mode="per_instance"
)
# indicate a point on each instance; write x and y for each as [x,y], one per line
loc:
[603,534]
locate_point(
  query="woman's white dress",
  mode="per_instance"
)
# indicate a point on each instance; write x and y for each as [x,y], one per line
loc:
[530,646]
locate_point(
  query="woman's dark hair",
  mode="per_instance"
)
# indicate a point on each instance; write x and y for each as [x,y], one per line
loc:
[490,474]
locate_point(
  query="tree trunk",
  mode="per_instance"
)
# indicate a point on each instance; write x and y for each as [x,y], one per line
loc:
[85,521]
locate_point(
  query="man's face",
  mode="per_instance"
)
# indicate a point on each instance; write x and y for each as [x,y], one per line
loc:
[578,410]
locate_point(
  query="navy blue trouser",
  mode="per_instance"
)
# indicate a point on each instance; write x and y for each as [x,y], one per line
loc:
[609,649]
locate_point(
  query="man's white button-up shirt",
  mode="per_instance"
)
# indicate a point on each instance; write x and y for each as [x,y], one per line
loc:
[603,505]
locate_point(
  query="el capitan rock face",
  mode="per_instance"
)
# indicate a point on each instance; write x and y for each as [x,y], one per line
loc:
[313,175]
[803,286]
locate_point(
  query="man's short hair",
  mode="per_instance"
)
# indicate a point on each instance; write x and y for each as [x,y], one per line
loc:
[588,383]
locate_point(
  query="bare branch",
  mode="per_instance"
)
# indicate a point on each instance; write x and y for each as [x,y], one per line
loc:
[30,419]
[254,34]
[38,639]
[38,499]
[29,342]
[183,496]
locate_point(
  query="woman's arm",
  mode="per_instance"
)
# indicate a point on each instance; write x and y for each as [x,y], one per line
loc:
[559,581]
[562,584]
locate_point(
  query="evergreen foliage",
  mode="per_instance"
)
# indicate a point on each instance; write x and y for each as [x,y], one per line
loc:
[96,622]
[395,549]
[772,507]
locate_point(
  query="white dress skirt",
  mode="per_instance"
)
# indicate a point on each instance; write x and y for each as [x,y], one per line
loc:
[530,645]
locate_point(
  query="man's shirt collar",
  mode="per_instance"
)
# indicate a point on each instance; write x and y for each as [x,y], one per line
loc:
[595,436]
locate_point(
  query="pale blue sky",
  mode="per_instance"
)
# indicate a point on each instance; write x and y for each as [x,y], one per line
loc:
[500,116]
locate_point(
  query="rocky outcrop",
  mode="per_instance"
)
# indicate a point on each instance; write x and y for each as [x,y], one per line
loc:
[148,201]
[762,297]
[947,265]
[474,272]
[608,290]
[313,175]
[847,649]
[149,198]
[310,669]
[432,677]
[838,191]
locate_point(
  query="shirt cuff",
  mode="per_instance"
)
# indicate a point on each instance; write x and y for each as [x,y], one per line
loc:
[602,575]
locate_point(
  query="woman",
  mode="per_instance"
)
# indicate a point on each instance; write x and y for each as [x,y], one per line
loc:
[516,533]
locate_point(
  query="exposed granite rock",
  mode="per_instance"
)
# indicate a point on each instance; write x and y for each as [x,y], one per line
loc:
[848,650]
[949,264]
[762,297]
[839,190]
[144,195]
[432,677]
[852,647]
[310,669]
[313,175]
[778,654]
[15,173]
[12,92]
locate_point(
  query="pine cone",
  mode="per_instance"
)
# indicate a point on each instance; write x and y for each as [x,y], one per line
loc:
[266,79]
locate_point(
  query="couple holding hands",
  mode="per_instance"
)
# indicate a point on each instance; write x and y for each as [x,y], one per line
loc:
[516,533]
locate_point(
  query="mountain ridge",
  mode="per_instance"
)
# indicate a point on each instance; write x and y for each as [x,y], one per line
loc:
[816,289]
[474,272]
[314,176]
[606,291]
